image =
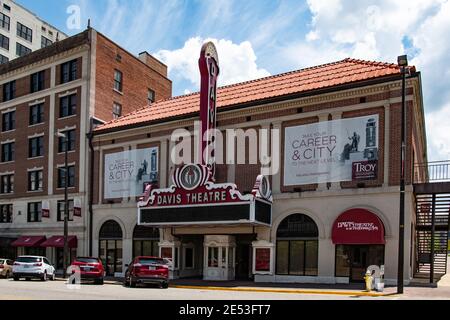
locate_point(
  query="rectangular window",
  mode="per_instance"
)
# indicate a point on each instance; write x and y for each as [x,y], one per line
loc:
[36,147]
[8,152]
[189,257]
[35,180]
[37,81]
[8,121]
[68,106]
[6,213]
[7,184]
[21,50]
[45,42]
[6,7]
[117,110]
[62,177]
[297,257]
[37,114]
[61,207]
[118,80]
[151,96]
[71,141]
[69,71]
[24,32]
[9,90]
[4,21]
[3,59]
[35,212]
[4,42]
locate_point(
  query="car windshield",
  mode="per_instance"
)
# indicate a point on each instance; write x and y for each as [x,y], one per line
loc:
[2,261]
[149,261]
[28,259]
[87,260]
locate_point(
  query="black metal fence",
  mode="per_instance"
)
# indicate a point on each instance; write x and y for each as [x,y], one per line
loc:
[435,171]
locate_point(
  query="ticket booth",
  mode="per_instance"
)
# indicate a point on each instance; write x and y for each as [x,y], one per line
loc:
[219,263]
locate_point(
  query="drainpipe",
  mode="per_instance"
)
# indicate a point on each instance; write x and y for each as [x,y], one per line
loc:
[90,136]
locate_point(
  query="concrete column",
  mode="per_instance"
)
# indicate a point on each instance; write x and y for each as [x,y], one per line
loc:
[276,177]
[322,118]
[163,164]
[386,144]
[127,252]
[326,260]
[336,116]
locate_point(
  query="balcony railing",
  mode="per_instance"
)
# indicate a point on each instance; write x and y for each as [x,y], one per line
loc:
[436,171]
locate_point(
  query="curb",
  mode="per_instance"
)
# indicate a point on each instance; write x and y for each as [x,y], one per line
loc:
[294,291]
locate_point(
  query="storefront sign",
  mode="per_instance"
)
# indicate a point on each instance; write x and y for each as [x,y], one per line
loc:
[194,198]
[166,252]
[329,151]
[126,172]
[262,259]
[364,170]
[358,226]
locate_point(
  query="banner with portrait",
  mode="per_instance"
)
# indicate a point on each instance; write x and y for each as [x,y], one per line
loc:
[125,173]
[331,151]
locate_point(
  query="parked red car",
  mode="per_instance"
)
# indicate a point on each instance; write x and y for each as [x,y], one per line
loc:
[147,270]
[90,269]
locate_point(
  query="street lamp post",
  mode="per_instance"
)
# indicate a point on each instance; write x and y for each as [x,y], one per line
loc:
[66,204]
[403,63]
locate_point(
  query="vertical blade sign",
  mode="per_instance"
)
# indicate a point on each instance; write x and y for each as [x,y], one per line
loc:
[209,71]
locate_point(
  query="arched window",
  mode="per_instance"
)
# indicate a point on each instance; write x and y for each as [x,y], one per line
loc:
[110,244]
[297,246]
[145,241]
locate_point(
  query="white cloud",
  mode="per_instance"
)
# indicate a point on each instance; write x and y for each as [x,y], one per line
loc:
[360,29]
[438,133]
[237,62]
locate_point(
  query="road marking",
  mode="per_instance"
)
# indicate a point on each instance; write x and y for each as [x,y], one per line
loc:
[296,291]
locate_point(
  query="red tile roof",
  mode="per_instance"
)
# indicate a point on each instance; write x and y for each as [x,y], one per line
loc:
[325,76]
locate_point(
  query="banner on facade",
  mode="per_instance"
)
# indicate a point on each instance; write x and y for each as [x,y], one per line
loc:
[331,151]
[126,173]
[77,207]
[45,209]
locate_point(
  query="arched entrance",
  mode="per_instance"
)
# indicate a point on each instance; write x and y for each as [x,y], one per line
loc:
[297,246]
[359,238]
[110,244]
[145,241]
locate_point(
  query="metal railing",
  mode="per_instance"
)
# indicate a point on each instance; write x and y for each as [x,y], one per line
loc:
[435,171]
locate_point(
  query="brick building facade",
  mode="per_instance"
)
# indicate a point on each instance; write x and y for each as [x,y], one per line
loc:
[68,87]
[347,89]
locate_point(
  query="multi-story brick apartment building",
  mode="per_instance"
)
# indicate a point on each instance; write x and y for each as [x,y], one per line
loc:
[22,32]
[69,87]
[324,228]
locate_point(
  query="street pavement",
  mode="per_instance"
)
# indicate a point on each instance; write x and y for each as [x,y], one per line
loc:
[58,290]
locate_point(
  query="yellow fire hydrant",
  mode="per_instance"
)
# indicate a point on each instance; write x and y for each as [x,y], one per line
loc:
[369,279]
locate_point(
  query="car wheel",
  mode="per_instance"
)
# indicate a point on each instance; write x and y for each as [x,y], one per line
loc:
[132,283]
[44,276]
[16,278]
[164,285]
[99,281]
[27,279]
[53,277]
[8,274]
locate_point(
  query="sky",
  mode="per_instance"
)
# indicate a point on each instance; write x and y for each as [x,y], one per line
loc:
[257,38]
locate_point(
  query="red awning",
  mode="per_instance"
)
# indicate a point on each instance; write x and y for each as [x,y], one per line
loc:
[58,242]
[28,241]
[358,226]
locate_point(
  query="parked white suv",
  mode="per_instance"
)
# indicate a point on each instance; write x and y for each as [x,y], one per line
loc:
[33,267]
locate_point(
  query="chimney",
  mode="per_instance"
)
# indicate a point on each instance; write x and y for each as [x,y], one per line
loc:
[153,63]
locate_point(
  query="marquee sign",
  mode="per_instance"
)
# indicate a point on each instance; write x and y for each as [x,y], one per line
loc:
[209,72]
[192,188]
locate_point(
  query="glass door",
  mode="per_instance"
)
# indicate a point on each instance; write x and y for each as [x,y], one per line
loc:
[358,263]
